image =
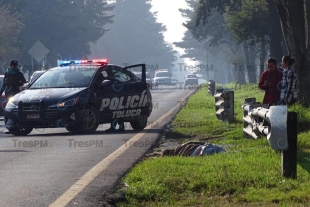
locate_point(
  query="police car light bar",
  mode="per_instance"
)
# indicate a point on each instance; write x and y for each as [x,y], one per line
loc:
[69,62]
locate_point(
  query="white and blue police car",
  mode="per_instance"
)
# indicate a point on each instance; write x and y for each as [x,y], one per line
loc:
[79,95]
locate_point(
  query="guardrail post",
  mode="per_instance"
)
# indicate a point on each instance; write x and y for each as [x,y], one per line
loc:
[289,156]
[211,87]
[231,107]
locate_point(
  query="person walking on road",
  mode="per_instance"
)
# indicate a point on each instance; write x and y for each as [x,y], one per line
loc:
[270,81]
[289,85]
[13,80]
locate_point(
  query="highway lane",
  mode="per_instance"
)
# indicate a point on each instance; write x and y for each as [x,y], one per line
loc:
[35,170]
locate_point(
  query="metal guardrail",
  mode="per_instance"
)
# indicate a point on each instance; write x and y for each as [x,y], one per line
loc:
[224,105]
[254,125]
[280,128]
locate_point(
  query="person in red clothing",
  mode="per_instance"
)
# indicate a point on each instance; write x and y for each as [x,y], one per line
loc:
[269,82]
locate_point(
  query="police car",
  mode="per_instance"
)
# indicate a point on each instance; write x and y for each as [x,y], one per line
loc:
[79,95]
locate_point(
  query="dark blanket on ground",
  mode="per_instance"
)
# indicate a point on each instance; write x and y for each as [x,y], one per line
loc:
[194,149]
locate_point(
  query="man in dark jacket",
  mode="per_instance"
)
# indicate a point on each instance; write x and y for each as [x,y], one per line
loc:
[269,82]
[13,80]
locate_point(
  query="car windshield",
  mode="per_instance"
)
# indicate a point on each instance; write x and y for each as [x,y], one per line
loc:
[67,77]
[35,76]
[191,76]
[162,74]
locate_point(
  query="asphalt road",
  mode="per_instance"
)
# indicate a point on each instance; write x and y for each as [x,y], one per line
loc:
[52,166]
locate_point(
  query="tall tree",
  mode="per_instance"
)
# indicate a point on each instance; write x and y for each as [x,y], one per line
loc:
[215,32]
[9,34]
[251,22]
[276,37]
[206,7]
[194,49]
[65,27]
[295,19]
[135,37]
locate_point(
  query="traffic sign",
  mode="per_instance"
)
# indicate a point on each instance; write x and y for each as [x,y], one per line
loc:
[38,51]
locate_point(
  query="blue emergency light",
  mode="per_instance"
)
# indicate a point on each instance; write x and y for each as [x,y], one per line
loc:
[72,62]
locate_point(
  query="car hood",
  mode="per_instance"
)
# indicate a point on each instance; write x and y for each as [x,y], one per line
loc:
[50,95]
[191,78]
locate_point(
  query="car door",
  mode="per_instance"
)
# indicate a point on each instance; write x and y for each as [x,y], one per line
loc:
[111,99]
[125,98]
[138,92]
[103,94]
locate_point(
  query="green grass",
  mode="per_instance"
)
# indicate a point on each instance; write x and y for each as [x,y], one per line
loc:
[249,174]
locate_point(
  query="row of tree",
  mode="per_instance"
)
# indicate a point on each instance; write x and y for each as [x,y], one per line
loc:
[250,30]
[135,37]
[244,29]
[70,29]
[65,27]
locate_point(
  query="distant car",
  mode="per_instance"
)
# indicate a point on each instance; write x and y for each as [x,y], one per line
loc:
[191,79]
[162,77]
[174,82]
[148,78]
[34,77]
[2,98]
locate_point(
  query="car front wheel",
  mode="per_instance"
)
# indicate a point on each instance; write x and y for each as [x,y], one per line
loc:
[18,131]
[90,121]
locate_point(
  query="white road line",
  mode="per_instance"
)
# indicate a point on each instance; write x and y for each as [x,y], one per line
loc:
[89,176]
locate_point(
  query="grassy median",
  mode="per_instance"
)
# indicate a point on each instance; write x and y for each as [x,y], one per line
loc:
[249,174]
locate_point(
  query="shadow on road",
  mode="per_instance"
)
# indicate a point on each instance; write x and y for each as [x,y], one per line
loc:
[14,151]
[97,133]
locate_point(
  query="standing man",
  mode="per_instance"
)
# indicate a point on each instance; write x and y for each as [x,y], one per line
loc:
[13,79]
[270,81]
[289,85]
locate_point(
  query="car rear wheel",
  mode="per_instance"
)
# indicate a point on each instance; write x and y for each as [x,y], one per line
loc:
[140,123]
[18,131]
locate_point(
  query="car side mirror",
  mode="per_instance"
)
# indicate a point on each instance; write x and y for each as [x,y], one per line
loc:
[106,83]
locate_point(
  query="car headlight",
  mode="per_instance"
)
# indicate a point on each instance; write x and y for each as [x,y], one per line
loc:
[12,103]
[70,102]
